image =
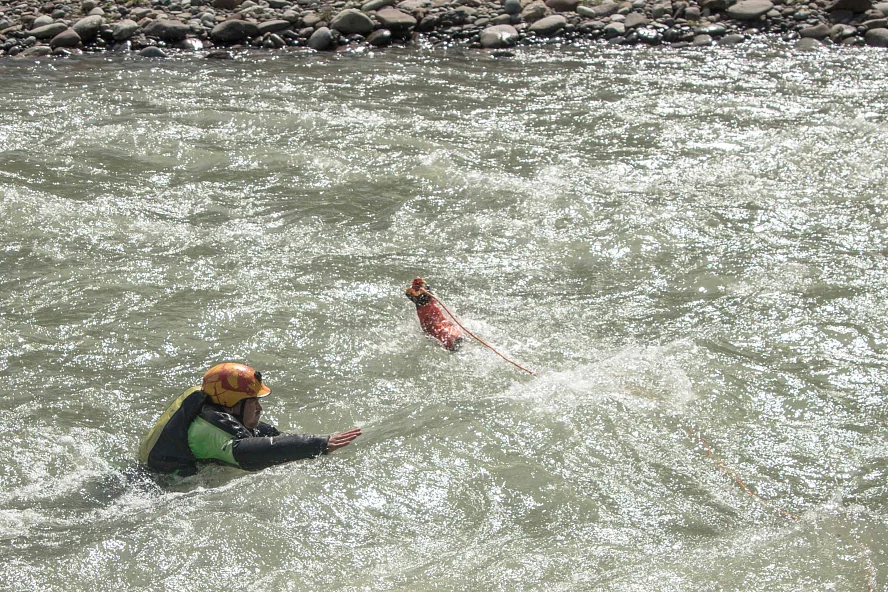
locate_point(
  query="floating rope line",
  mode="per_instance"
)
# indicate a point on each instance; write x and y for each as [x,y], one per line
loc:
[727,471]
[478,339]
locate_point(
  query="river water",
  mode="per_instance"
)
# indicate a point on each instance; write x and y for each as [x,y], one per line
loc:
[688,247]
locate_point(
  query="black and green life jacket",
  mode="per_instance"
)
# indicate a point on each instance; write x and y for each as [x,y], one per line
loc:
[166,447]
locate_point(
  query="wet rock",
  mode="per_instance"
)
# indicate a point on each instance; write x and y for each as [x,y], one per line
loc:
[38,51]
[88,27]
[234,31]
[635,19]
[152,52]
[548,26]
[692,13]
[850,5]
[614,30]
[42,21]
[67,38]
[190,45]
[874,24]
[97,12]
[88,5]
[818,32]
[376,5]
[499,37]
[563,5]
[352,21]
[840,32]
[273,26]
[167,30]
[732,39]
[380,38]
[226,4]
[605,9]
[123,46]
[534,12]
[649,36]
[512,6]
[219,54]
[877,38]
[807,44]
[713,30]
[749,10]
[395,21]
[48,31]
[124,29]
[321,40]
[702,41]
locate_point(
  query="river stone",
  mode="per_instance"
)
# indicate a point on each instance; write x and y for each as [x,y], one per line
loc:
[499,36]
[167,30]
[731,40]
[713,30]
[152,52]
[380,38]
[807,44]
[351,21]
[376,5]
[877,38]
[749,10]
[614,30]
[234,31]
[818,32]
[534,12]
[648,35]
[635,19]
[512,6]
[88,5]
[41,21]
[97,12]
[124,29]
[850,5]
[226,4]
[48,31]
[219,54]
[67,38]
[38,51]
[840,31]
[882,7]
[548,26]
[563,5]
[275,26]
[692,13]
[605,9]
[88,27]
[874,24]
[321,40]
[702,41]
[394,20]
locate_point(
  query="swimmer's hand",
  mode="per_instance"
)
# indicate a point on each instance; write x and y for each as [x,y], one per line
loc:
[341,439]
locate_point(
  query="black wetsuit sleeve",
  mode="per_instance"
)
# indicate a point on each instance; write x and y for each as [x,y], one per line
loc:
[260,452]
[266,429]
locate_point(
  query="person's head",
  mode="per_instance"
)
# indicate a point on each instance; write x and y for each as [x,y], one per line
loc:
[238,388]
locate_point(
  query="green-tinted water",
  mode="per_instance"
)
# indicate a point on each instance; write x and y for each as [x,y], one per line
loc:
[680,243]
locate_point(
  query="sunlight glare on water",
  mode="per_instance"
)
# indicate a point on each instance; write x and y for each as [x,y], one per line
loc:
[688,247]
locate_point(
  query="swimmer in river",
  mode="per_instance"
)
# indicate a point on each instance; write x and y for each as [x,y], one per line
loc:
[219,422]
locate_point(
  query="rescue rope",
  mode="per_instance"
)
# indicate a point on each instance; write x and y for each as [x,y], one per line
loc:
[475,337]
[730,473]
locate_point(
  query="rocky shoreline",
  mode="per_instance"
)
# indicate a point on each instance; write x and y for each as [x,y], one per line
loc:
[159,28]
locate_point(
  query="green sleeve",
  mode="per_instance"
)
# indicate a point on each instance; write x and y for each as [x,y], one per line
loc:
[209,442]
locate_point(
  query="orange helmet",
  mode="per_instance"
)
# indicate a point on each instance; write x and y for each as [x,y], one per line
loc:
[229,383]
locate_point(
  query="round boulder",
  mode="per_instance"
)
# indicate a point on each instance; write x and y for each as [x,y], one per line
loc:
[352,21]
[499,36]
[548,26]
[750,10]
[818,32]
[512,6]
[877,38]
[807,44]
[395,21]
[167,30]
[124,29]
[635,19]
[152,52]
[234,31]
[563,5]
[275,26]
[48,31]
[380,38]
[321,40]
[88,27]
[67,38]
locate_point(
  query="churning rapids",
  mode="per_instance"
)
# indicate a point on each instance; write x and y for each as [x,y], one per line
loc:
[689,247]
